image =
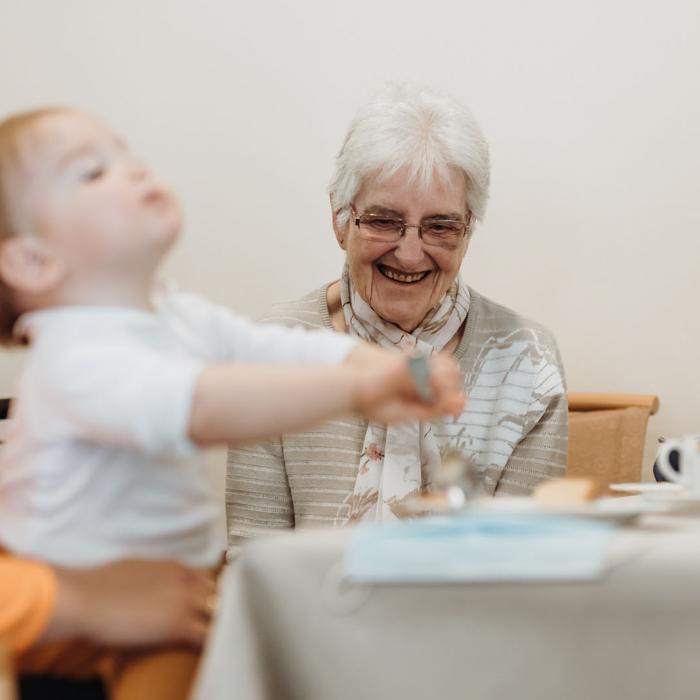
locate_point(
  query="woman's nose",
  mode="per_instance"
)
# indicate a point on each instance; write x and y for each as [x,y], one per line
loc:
[410,249]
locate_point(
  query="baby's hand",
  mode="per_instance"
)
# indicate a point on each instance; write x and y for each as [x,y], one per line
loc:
[387,391]
[446,385]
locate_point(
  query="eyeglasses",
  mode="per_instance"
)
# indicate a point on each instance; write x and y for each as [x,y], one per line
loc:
[388,229]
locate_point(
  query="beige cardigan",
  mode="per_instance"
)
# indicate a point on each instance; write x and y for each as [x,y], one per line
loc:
[514,427]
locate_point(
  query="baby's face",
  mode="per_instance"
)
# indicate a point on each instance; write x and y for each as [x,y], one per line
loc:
[93,202]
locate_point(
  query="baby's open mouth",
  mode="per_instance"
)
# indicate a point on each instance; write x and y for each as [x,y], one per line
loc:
[402,277]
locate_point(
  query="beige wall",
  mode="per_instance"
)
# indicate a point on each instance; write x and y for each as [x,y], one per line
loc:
[592,110]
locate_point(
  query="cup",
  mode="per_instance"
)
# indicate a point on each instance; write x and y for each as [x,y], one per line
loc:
[688,473]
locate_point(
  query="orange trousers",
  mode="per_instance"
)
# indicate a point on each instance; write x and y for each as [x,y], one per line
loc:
[157,674]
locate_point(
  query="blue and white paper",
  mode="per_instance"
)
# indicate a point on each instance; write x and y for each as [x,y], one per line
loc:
[479,547]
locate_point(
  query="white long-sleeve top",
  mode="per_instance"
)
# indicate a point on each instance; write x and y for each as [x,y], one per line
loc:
[98,465]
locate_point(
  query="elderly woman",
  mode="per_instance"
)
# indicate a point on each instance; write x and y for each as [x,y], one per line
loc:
[410,183]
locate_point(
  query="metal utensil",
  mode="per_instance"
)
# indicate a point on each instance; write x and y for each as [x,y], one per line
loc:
[420,371]
[459,478]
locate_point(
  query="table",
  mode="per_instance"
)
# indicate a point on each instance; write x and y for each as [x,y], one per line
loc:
[290,628]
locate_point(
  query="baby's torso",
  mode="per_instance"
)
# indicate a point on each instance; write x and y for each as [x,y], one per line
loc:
[98,465]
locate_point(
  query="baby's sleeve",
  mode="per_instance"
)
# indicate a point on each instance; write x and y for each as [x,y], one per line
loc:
[230,336]
[120,395]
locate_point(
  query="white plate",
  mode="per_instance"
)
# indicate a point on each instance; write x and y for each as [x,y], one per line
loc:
[675,496]
[619,510]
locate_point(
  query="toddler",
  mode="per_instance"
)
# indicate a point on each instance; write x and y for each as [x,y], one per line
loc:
[125,381]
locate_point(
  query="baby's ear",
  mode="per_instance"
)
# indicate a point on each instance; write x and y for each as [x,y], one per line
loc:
[28,266]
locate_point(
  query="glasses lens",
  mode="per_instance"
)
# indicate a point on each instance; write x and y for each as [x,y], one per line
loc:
[381,228]
[441,232]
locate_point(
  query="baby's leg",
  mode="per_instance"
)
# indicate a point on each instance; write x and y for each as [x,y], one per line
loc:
[161,674]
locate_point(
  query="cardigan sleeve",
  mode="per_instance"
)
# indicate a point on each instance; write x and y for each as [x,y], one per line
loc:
[258,497]
[541,454]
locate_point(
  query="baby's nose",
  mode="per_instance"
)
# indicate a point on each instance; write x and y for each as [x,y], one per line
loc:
[137,169]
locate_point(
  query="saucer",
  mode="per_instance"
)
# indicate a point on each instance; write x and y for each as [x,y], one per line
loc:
[680,497]
[676,496]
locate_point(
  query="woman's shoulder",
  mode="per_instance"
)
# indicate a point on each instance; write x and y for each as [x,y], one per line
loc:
[310,311]
[509,349]
[494,329]
[494,318]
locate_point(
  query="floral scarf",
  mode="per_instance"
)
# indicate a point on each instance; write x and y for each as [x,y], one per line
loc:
[398,461]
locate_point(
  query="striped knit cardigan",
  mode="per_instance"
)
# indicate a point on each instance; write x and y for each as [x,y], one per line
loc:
[514,427]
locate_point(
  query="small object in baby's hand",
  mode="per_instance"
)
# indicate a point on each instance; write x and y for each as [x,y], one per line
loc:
[568,491]
[420,371]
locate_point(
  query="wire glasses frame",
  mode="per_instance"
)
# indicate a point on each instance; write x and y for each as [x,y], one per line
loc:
[388,229]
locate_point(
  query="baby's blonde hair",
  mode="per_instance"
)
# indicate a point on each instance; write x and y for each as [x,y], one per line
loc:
[13,138]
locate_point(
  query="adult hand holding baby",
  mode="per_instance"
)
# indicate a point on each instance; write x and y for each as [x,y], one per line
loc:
[133,603]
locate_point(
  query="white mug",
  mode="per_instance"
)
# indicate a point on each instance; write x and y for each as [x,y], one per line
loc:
[689,461]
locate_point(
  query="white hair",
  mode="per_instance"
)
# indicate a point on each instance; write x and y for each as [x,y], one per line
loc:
[415,128]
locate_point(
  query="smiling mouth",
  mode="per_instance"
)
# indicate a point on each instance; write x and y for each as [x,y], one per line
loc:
[402,277]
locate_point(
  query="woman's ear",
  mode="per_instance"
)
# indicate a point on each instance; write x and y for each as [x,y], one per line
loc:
[28,266]
[341,233]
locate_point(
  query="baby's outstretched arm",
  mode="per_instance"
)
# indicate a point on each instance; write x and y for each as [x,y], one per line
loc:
[238,403]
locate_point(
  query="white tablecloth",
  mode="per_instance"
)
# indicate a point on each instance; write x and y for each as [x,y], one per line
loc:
[289,628]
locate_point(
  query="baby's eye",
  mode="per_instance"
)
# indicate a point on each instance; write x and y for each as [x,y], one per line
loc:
[93,173]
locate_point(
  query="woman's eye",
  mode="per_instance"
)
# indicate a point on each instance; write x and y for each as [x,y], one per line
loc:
[384,224]
[443,228]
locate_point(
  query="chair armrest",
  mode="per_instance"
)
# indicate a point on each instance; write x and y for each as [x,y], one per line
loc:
[583,401]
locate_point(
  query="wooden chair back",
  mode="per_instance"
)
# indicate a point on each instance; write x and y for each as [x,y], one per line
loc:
[607,434]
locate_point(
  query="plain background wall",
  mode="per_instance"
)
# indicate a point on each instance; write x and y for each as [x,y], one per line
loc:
[592,110]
